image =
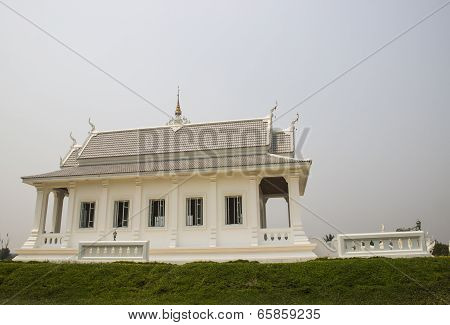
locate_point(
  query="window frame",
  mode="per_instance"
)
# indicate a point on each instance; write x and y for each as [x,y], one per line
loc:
[238,208]
[221,206]
[150,209]
[115,215]
[203,219]
[87,227]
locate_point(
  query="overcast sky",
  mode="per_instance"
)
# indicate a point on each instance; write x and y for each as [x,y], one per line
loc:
[378,136]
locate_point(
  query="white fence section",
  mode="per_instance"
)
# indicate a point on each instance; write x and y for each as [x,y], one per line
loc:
[275,237]
[389,244]
[51,240]
[114,250]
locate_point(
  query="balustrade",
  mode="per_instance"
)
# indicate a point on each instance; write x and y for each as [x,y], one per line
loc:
[275,237]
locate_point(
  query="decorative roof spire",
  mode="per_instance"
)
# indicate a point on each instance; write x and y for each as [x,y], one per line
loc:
[92,125]
[178,120]
[178,109]
[294,122]
[273,109]
[74,141]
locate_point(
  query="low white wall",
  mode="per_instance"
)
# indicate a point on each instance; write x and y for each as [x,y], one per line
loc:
[389,244]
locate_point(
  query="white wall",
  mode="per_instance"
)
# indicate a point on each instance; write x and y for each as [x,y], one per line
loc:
[213,217]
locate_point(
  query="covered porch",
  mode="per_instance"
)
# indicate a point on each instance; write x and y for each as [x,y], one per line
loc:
[283,227]
[47,231]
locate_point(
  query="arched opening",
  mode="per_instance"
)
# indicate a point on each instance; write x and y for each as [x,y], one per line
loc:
[277,213]
[274,203]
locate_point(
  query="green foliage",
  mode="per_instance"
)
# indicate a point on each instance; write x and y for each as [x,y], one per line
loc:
[338,281]
[327,238]
[5,254]
[440,249]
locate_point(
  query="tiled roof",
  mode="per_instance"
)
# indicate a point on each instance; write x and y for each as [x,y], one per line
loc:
[282,142]
[150,167]
[190,137]
[71,159]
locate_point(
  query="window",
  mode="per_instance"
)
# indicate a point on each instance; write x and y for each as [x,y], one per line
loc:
[121,210]
[157,210]
[233,210]
[194,211]
[87,213]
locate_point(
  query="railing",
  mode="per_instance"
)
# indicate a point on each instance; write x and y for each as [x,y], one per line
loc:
[399,244]
[113,250]
[51,240]
[275,237]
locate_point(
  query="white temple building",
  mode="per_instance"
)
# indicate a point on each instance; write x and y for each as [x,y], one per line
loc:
[175,193]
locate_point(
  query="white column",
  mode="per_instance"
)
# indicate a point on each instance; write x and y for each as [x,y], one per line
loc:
[70,214]
[137,210]
[39,213]
[262,209]
[103,210]
[212,212]
[173,213]
[43,217]
[295,210]
[58,201]
[252,209]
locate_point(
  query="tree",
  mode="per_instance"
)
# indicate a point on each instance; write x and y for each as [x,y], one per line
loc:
[5,252]
[328,238]
[440,249]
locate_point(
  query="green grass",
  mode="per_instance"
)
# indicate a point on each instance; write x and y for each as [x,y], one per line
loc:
[350,281]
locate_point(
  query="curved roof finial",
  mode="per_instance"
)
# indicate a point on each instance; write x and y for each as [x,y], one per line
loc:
[294,122]
[273,108]
[91,124]
[74,141]
[178,109]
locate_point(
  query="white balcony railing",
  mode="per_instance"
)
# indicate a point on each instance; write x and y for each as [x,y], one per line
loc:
[113,250]
[408,243]
[275,237]
[51,240]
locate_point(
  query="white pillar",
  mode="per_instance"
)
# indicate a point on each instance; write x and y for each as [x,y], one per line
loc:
[252,209]
[39,217]
[173,213]
[212,212]
[70,214]
[262,209]
[43,217]
[295,210]
[58,202]
[137,210]
[103,210]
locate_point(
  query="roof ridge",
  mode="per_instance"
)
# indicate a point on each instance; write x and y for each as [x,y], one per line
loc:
[184,125]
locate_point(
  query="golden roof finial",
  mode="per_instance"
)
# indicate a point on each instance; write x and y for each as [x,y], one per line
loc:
[178,109]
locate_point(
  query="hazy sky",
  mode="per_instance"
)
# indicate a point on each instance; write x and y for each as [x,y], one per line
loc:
[378,136]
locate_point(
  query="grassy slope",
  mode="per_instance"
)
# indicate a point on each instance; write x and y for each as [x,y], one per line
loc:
[353,281]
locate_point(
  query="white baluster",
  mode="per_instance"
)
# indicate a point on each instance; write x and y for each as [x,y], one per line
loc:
[410,244]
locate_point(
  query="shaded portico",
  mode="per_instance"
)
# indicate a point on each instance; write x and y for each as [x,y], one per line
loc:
[289,188]
[40,236]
